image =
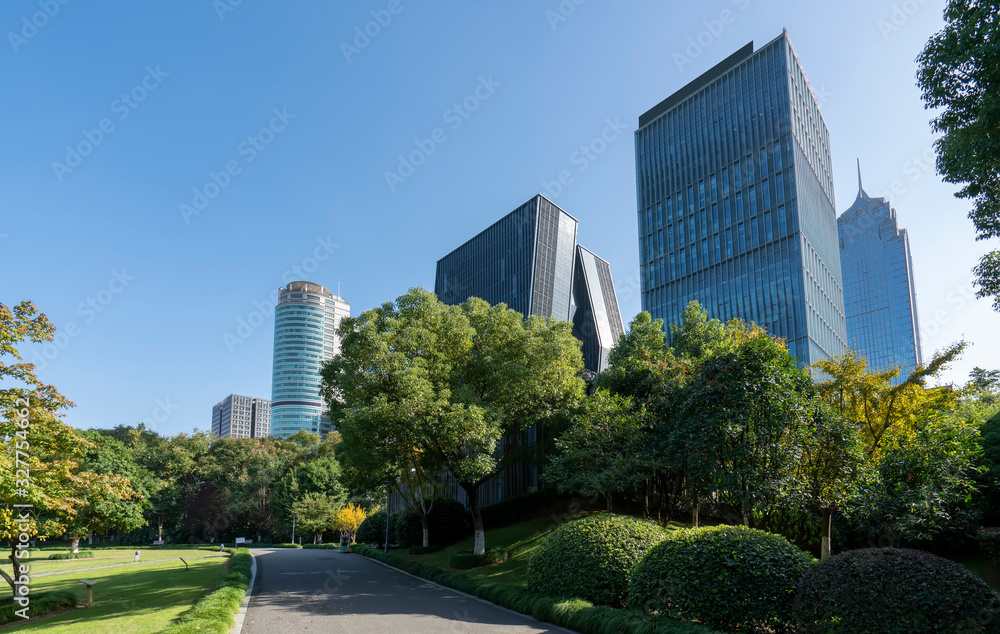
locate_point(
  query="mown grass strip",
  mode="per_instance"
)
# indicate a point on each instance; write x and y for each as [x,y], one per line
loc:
[217,611]
[574,614]
[39,605]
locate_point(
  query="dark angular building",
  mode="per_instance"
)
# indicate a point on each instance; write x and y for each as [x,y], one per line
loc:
[736,205]
[529,260]
[879,295]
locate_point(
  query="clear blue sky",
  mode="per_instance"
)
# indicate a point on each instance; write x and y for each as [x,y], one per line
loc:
[181,88]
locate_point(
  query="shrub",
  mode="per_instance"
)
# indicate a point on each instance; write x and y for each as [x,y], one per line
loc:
[889,590]
[449,522]
[217,610]
[730,577]
[989,541]
[464,561]
[372,530]
[326,546]
[80,555]
[592,558]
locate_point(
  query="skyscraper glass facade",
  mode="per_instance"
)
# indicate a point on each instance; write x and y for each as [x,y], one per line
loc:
[735,202]
[879,295]
[238,416]
[305,336]
[597,321]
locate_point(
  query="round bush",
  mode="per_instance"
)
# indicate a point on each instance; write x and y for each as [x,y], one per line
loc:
[730,577]
[888,590]
[592,558]
[448,522]
[372,529]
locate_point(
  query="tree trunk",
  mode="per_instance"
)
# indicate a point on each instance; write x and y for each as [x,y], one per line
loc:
[159,529]
[315,538]
[74,545]
[472,493]
[607,496]
[12,578]
[425,525]
[824,540]
[694,511]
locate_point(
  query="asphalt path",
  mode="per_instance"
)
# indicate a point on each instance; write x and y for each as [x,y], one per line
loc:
[329,591]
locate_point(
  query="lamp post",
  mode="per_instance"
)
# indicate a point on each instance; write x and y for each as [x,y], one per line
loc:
[385,547]
[293,528]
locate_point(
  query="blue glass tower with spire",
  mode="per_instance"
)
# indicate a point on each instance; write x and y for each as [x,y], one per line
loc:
[879,295]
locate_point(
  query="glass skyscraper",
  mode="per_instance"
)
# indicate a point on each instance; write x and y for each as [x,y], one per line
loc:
[305,335]
[879,296]
[736,205]
[529,260]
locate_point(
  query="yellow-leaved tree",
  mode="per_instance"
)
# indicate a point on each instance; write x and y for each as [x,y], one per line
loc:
[349,519]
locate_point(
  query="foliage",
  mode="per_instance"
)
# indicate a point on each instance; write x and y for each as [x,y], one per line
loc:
[40,605]
[317,513]
[310,473]
[578,615]
[889,591]
[635,364]
[217,611]
[448,522]
[492,556]
[593,558]
[521,507]
[372,530]
[883,411]
[424,384]
[989,541]
[79,555]
[697,336]
[958,75]
[424,550]
[925,485]
[348,519]
[597,454]
[730,577]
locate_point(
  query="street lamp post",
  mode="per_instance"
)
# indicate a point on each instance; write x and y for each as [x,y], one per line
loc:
[293,528]
[385,547]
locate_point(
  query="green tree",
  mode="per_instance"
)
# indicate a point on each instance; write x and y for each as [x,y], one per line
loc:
[697,336]
[600,452]
[462,382]
[317,513]
[959,73]
[314,474]
[115,492]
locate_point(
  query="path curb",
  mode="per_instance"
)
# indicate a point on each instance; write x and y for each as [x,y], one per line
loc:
[241,615]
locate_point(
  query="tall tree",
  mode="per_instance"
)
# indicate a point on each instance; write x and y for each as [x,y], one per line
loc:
[959,74]
[458,380]
[317,513]
[884,411]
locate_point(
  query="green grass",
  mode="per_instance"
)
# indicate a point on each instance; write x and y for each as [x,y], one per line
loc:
[216,612]
[129,599]
[105,558]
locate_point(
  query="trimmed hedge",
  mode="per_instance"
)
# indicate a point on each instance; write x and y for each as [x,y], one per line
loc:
[989,541]
[327,546]
[464,561]
[730,577]
[372,530]
[40,604]
[79,555]
[890,590]
[593,558]
[217,611]
[573,614]
[448,522]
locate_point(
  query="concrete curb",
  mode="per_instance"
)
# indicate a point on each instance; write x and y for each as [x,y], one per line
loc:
[466,594]
[241,615]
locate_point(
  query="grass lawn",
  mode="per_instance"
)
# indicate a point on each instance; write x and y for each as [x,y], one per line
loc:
[39,564]
[520,539]
[129,599]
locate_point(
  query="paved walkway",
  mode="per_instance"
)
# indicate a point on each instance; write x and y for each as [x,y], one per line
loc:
[130,563]
[326,590]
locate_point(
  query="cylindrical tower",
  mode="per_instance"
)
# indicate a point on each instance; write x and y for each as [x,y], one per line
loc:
[305,335]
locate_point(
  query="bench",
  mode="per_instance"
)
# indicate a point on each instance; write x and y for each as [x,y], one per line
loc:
[158,542]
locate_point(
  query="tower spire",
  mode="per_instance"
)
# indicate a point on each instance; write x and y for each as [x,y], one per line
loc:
[861,189]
